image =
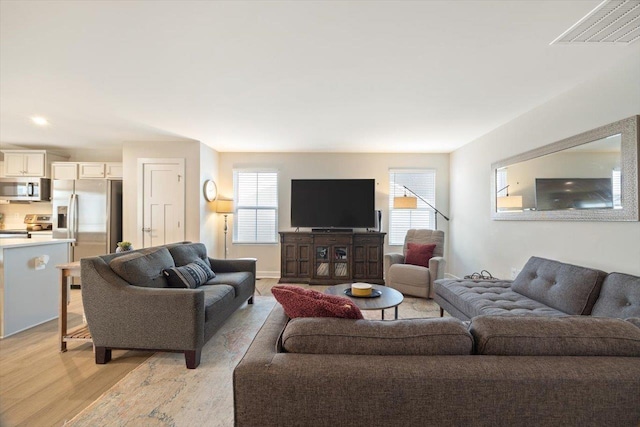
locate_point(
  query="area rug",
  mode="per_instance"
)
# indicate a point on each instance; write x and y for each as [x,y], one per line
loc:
[163,392]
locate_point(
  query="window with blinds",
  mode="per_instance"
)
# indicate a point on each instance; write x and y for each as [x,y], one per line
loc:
[421,182]
[256,204]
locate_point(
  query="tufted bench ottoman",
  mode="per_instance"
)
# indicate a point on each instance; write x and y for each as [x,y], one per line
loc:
[466,298]
[543,288]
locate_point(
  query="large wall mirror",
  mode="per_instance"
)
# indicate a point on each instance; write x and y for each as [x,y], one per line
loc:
[588,177]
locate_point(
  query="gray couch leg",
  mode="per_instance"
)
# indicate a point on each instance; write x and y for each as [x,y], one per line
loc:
[103,355]
[441,312]
[250,300]
[192,357]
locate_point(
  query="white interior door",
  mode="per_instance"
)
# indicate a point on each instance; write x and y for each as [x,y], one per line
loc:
[163,201]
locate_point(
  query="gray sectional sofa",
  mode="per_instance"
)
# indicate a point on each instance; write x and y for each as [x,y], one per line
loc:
[544,287]
[546,364]
[499,371]
[129,302]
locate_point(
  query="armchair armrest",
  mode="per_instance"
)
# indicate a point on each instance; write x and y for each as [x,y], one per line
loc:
[436,271]
[392,258]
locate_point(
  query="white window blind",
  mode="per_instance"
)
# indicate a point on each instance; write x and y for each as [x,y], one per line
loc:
[616,183]
[256,204]
[421,182]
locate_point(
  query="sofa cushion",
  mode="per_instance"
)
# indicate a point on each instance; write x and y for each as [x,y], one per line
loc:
[300,302]
[478,297]
[186,253]
[239,280]
[554,336]
[435,336]
[419,254]
[634,321]
[191,275]
[565,287]
[619,297]
[216,296]
[144,267]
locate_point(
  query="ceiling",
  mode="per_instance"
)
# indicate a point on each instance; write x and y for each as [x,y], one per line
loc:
[330,76]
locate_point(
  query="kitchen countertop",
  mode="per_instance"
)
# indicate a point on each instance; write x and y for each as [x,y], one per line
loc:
[15,242]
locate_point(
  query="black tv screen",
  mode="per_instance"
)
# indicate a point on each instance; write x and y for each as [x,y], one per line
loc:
[333,203]
[573,193]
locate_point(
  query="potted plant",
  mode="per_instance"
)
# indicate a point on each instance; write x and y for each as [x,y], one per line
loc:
[124,246]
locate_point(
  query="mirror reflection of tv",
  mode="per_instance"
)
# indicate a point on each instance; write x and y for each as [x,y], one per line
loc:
[573,193]
[333,203]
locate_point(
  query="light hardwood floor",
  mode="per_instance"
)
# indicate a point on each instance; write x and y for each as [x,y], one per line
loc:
[39,386]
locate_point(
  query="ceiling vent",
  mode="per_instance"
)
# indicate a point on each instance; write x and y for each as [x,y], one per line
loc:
[612,21]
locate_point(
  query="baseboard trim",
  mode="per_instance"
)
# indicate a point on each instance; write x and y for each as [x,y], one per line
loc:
[268,274]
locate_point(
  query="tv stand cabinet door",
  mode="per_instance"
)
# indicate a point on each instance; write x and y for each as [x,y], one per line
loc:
[367,257]
[296,258]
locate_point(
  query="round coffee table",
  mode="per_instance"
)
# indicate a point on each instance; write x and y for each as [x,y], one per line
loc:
[389,298]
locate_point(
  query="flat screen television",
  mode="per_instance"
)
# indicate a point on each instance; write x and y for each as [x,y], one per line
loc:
[333,203]
[573,193]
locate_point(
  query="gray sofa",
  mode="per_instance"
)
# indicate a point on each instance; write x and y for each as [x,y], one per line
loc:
[544,287]
[499,371]
[129,302]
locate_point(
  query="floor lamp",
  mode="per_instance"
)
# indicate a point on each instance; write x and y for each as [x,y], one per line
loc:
[408,202]
[225,207]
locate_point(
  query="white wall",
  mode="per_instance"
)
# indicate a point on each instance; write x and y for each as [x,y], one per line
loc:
[477,242]
[209,160]
[324,165]
[197,157]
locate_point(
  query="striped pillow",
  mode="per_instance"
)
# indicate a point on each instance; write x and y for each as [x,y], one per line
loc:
[191,275]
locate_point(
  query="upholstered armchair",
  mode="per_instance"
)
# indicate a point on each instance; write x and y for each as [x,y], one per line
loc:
[413,279]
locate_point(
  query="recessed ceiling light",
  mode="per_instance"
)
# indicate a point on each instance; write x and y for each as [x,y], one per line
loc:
[40,121]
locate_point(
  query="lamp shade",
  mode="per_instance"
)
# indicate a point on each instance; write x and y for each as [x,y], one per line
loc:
[405,202]
[509,202]
[224,206]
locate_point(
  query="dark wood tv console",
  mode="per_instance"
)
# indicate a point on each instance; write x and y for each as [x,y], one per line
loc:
[321,258]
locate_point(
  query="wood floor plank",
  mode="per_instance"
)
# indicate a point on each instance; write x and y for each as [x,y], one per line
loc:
[39,386]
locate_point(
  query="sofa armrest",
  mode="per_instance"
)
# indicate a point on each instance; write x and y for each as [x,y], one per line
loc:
[436,271]
[233,265]
[120,315]
[392,258]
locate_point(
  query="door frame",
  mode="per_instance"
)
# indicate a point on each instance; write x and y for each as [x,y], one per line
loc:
[140,190]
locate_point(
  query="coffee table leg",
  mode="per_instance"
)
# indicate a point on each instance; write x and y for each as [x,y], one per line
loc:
[396,312]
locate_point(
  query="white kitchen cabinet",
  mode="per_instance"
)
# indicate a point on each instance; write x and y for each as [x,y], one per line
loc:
[91,170]
[86,170]
[25,163]
[113,170]
[64,170]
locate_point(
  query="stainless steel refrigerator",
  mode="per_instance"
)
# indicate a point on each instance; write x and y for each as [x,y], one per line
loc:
[89,211]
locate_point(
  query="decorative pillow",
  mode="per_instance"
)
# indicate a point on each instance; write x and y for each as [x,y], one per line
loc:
[419,254]
[191,275]
[300,302]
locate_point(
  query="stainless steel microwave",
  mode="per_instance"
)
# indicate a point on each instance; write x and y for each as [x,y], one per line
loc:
[25,189]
